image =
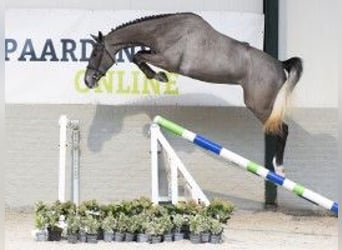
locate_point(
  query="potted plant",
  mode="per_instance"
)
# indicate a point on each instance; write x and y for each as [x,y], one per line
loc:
[92,228]
[195,226]
[205,229]
[167,226]
[107,225]
[142,221]
[220,210]
[216,230]
[178,223]
[156,230]
[131,228]
[82,232]
[53,226]
[40,224]
[120,227]
[40,221]
[73,227]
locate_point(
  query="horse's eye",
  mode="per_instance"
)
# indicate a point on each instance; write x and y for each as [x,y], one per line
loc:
[94,54]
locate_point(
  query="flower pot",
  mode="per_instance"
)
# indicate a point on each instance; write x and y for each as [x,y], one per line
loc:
[195,238]
[92,238]
[186,231]
[168,237]
[55,235]
[205,237]
[215,238]
[129,237]
[100,234]
[82,236]
[72,238]
[107,236]
[178,236]
[142,238]
[41,235]
[156,239]
[118,236]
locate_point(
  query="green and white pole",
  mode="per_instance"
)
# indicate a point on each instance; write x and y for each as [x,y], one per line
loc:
[251,166]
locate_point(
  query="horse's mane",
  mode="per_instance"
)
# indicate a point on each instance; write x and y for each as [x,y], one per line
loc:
[142,19]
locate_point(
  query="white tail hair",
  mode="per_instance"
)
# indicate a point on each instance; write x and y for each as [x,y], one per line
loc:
[274,122]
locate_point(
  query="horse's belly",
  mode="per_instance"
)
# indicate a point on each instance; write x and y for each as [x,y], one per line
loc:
[210,73]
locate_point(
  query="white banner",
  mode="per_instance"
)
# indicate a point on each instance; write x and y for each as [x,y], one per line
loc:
[47,51]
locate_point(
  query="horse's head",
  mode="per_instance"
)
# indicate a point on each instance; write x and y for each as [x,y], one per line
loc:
[100,61]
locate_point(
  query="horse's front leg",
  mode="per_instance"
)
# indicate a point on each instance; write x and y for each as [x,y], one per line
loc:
[143,56]
[280,148]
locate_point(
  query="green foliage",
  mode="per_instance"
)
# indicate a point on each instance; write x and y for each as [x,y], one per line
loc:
[136,216]
[216,227]
[131,224]
[73,224]
[156,227]
[40,215]
[40,208]
[189,207]
[142,221]
[90,208]
[178,222]
[67,208]
[121,225]
[156,211]
[108,223]
[167,224]
[53,214]
[135,206]
[220,210]
[40,221]
[199,224]
[92,224]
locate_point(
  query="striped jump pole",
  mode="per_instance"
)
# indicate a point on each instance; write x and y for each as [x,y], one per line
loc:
[251,166]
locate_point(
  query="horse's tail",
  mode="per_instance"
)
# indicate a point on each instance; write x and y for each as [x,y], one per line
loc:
[294,68]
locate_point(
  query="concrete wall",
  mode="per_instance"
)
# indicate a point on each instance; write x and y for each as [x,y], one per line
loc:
[308,29]
[115,160]
[232,5]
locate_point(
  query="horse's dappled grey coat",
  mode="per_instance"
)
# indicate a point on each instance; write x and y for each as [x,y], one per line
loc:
[186,44]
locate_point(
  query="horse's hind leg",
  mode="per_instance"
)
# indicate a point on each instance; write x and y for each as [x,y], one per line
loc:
[256,99]
[280,148]
[143,56]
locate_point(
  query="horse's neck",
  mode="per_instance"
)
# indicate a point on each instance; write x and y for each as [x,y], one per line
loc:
[146,31]
[127,37]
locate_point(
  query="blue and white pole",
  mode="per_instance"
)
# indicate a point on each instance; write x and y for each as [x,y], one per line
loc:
[251,166]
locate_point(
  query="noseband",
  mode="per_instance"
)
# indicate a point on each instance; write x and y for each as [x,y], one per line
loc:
[99,73]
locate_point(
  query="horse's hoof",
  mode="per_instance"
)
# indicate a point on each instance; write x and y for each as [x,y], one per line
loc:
[161,76]
[279,170]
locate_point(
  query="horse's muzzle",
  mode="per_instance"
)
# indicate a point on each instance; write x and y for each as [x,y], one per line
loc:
[91,79]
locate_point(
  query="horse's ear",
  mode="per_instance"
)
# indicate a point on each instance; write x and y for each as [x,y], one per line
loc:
[100,36]
[95,38]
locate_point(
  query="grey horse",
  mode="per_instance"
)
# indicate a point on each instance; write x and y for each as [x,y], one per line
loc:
[186,44]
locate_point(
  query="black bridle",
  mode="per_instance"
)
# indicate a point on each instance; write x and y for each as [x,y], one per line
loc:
[98,72]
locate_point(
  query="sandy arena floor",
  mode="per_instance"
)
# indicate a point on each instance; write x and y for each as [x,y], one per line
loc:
[246,230]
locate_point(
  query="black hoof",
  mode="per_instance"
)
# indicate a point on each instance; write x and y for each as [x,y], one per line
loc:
[161,76]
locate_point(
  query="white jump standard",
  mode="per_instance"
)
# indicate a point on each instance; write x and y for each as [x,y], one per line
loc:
[252,167]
